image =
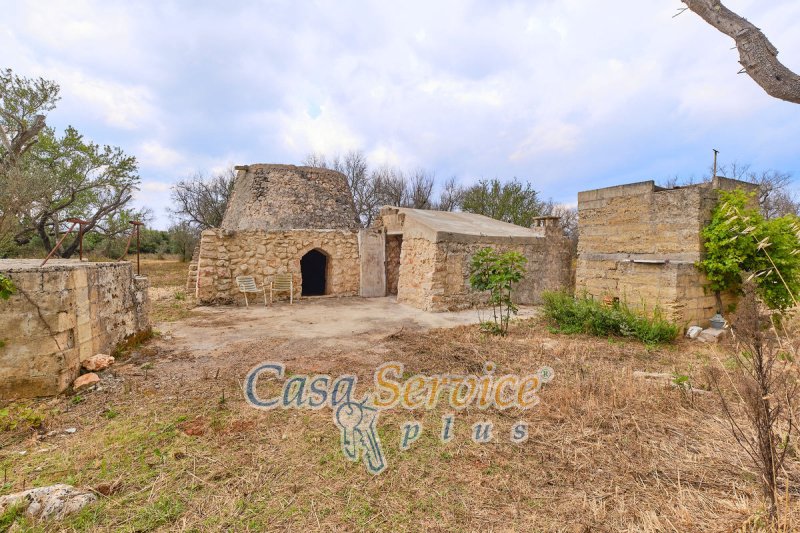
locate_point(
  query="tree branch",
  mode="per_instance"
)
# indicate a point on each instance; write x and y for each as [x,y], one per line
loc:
[757,55]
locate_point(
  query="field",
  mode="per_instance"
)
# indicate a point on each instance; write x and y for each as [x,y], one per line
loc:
[171,444]
[168,295]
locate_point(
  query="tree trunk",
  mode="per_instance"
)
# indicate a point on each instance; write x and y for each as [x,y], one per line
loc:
[718,300]
[757,55]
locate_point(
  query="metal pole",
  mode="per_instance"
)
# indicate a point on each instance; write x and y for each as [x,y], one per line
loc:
[58,244]
[715,162]
[138,267]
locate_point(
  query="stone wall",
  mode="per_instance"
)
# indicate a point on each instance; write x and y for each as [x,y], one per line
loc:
[62,314]
[269,197]
[262,254]
[640,242]
[434,276]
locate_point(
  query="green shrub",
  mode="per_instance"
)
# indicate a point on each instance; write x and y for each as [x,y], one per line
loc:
[496,273]
[740,241]
[583,315]
[19,416]
[6,287]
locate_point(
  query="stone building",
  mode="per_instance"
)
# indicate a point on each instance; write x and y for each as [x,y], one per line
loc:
[640,242]
[283,219]
[428,255]
[301,220]
[62,314]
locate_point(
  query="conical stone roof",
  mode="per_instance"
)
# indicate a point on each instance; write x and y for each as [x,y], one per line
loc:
[269,197]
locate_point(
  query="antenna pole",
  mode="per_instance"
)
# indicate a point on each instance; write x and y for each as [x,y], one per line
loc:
[715,162]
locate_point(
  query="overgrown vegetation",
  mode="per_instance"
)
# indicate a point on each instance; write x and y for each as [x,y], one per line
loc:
[606,450]
[19,416]
[739,241]
[495,272]
[584,315]
[766,390]
[6,287]
[10,516]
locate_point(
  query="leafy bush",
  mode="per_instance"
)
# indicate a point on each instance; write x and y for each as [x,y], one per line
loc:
[495,272]
[583,315]
[6,287]
[739,240]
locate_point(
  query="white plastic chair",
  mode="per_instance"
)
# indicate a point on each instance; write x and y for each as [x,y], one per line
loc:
[282,283]
[248,284]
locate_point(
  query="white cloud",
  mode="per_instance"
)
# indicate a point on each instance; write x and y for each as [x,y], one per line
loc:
[467,87]
[155,186]
[151,153]
[328,132]
[553,137]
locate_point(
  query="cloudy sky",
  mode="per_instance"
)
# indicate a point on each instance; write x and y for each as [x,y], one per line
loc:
[570,95]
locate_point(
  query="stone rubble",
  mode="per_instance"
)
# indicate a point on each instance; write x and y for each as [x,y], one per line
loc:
[98,362]
[53,502]
[85,381]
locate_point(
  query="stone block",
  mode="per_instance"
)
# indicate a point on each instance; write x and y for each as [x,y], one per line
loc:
[85,381]
[711,335]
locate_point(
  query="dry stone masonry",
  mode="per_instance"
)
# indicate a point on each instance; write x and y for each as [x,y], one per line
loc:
[262,254]
[300,220]
[268,197]
[640,243]
[436,248]
[62,315]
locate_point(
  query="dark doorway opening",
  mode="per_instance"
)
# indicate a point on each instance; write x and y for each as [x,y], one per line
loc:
[394,246]
[314,270]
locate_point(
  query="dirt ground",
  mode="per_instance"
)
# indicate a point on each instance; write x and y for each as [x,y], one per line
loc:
[170,444]
[321,334]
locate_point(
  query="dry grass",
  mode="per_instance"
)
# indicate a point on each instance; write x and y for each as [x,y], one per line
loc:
[163,272]
[607,452]
[170,301]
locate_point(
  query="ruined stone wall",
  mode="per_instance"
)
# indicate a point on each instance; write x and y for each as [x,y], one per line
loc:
[640,243]
[417,268]
[435,276]
[262,254]
[641,219]
[62,314]
[269,197]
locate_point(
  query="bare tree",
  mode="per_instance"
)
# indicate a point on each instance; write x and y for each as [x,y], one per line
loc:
[775,196]
[315,160]
[452,195]
[567,221]
[391,187]
[757,55]
[420,190]
[355,168]
[201,200]
[387,185]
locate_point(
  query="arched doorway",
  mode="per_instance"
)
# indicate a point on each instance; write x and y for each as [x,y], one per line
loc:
[314,272]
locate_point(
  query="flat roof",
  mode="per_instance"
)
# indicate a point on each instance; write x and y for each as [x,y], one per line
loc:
[450,225]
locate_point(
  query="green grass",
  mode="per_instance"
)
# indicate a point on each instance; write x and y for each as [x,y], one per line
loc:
[583,315]
[11,514]
[161,512]
[20,416]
